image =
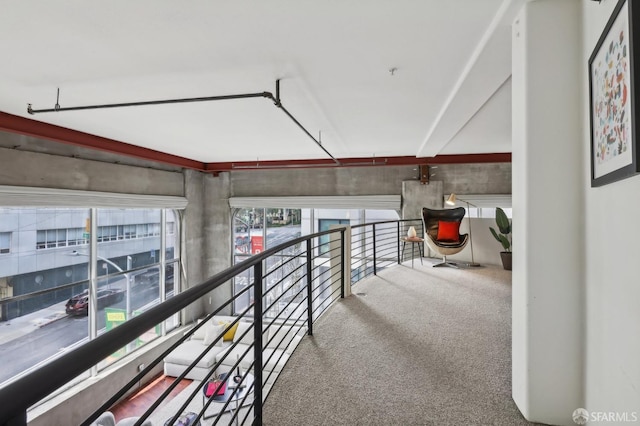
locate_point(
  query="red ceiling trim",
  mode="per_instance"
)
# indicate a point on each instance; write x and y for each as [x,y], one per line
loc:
[20,125]
[498,157]
[359,162]
[24,126]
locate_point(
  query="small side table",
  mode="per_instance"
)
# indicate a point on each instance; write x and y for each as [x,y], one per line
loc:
[413,240]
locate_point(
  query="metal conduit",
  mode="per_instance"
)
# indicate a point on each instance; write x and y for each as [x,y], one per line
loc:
[268,95]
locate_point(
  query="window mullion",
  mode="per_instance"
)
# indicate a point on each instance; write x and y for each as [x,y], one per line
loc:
[163,262]
[93,281]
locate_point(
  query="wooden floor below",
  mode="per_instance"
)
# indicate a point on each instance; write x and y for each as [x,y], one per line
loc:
[137,403]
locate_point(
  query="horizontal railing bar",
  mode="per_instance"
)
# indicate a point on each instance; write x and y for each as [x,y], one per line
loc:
[41,292]
[328,305]
[362,225]
[114,398]
[282,264]
[83,282]
[282,280]
[35,386]
[284,294]
[321,292]
[299,328]
[316,280]
[387,243]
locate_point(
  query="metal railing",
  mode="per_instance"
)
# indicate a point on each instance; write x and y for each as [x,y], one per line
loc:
[310,277]
[375,246]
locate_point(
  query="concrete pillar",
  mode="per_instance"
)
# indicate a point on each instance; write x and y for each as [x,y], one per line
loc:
[415,196]
[194,243]
[548,198]
[217,247]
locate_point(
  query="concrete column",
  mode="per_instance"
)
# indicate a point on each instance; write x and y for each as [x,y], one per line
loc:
[548,207]
[194,238]
[415,196]
[217,246]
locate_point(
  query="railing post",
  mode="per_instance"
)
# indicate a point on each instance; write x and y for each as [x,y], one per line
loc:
[375,268]
[342,264]
[398,240]
[257,341]
[309,292]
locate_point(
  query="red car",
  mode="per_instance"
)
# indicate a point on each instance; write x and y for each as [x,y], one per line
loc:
[79,304]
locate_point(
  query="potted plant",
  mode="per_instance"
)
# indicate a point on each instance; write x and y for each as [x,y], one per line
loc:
[504,237]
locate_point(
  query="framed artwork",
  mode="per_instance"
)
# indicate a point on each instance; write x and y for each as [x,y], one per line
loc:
[612,96]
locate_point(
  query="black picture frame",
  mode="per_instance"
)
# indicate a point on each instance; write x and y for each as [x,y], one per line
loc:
[613,96]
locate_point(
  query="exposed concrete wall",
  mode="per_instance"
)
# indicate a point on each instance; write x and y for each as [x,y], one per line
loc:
[21,168]
[488,178]
[378,180]
[195,238]
[19,142]
[415,196]
[218,245]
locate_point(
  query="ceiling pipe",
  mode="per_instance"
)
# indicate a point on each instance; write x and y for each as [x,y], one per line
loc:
[276,100]
[278,103]
[32,111]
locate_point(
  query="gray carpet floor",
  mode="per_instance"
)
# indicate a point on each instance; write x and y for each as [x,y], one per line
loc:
[422,346]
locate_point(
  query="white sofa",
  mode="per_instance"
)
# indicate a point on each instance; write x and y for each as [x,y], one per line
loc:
[279,343]
[108,419]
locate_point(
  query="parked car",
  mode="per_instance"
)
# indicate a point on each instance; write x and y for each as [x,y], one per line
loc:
[79,304]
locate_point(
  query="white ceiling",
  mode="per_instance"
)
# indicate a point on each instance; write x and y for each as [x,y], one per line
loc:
[450,92]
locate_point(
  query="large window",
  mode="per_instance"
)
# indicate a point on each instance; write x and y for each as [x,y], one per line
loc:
[48,267]
[325,225]
[256,229]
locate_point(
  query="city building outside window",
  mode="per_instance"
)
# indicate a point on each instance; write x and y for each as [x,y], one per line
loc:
[48,254]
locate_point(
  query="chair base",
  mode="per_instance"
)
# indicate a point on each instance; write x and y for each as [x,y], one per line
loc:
[445,263]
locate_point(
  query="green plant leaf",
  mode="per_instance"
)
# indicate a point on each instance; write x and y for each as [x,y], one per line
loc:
[505,242]
[502,221]
[495,234]
[505,229]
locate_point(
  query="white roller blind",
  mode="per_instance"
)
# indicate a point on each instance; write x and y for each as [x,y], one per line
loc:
[374,202]
[25,196]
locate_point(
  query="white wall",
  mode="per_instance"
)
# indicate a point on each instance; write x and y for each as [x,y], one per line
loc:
[486,250]
[547,187]
[612,273]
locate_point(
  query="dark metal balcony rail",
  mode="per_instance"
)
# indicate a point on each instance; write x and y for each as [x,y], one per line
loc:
[62,292]
[292,285]
[375,246]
